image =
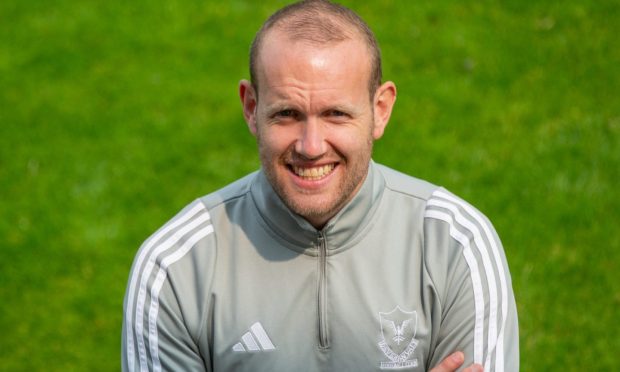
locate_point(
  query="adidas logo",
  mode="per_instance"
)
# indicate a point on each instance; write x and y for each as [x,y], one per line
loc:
[250,338]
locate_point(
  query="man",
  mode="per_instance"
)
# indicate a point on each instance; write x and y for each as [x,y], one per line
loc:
[323,259]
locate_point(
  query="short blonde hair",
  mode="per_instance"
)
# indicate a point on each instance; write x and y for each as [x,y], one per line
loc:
[320,22]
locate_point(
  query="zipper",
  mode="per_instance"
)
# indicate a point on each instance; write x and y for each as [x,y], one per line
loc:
[322,310]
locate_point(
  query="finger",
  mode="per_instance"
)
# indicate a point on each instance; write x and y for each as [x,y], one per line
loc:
[474,368]
[451,363]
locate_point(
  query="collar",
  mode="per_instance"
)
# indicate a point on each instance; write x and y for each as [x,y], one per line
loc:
[341,232]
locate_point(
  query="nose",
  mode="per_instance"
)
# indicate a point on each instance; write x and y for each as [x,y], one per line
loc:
[311,143]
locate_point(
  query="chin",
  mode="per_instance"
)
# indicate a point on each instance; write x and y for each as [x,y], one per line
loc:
[312,207]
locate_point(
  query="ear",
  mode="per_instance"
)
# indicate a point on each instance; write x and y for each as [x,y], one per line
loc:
[385,96]
[249,103]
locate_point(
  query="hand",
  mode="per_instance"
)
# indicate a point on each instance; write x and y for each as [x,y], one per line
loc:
[454,361]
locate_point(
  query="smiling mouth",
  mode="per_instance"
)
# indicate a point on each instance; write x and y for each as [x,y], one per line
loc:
[313,173]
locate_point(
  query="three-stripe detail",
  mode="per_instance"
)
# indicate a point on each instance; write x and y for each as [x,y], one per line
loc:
[468,227]
[163,249]
[256,339]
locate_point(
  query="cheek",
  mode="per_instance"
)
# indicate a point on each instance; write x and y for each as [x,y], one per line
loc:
[275,139]
[351,141]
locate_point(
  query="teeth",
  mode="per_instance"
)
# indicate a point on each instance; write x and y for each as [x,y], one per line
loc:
[313,173]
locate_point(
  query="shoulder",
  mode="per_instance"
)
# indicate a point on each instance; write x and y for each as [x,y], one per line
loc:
[193,226]
[198,213]
[439,203]
[189,235]
[238,189]
[183,250]
[404,184]
[462,220]
[455,233]
[455,228]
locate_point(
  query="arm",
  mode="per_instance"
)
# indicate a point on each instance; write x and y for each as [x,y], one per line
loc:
[167,295]
[165,345]
[467,263]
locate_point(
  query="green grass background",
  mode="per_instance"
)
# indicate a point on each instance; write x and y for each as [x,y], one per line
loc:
[114,115]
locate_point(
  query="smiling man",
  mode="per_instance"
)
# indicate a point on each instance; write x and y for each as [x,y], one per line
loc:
[322,260]
[316,119]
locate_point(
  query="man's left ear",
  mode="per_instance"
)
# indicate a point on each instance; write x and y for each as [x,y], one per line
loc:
[383,103]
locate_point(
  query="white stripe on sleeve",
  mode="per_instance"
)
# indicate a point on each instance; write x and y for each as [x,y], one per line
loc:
[146,274]
[488,270]
[475,278]
[159,282]
[499,349]
[134,280]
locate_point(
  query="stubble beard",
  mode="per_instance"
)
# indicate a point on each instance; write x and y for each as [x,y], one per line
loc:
[320,207]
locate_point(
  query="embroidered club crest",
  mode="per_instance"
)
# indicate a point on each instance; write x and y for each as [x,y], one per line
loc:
[398,329]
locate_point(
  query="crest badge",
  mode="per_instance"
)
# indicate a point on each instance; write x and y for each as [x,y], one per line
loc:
[398,330]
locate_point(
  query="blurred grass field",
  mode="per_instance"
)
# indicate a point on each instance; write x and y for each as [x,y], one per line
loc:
[114,115]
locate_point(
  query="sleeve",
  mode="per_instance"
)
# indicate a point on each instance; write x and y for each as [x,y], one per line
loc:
[466,261]
[167,297]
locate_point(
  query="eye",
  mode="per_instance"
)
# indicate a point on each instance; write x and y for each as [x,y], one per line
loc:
[337,114]
[285,113]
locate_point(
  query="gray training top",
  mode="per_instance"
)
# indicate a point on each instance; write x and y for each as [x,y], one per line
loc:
[400,278]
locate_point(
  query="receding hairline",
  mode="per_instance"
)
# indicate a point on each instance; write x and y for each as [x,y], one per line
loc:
[319,23]
[284,40]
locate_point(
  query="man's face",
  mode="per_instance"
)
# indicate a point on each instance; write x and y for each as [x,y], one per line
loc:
[314,123]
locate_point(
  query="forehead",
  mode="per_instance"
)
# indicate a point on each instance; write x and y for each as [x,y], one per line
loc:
[339,65]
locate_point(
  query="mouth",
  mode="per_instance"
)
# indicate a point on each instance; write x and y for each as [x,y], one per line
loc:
[313,173]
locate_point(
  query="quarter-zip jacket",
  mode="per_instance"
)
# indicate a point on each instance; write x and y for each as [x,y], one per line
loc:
[404,275]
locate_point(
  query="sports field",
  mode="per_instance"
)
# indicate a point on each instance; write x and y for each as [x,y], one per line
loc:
[114,115]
